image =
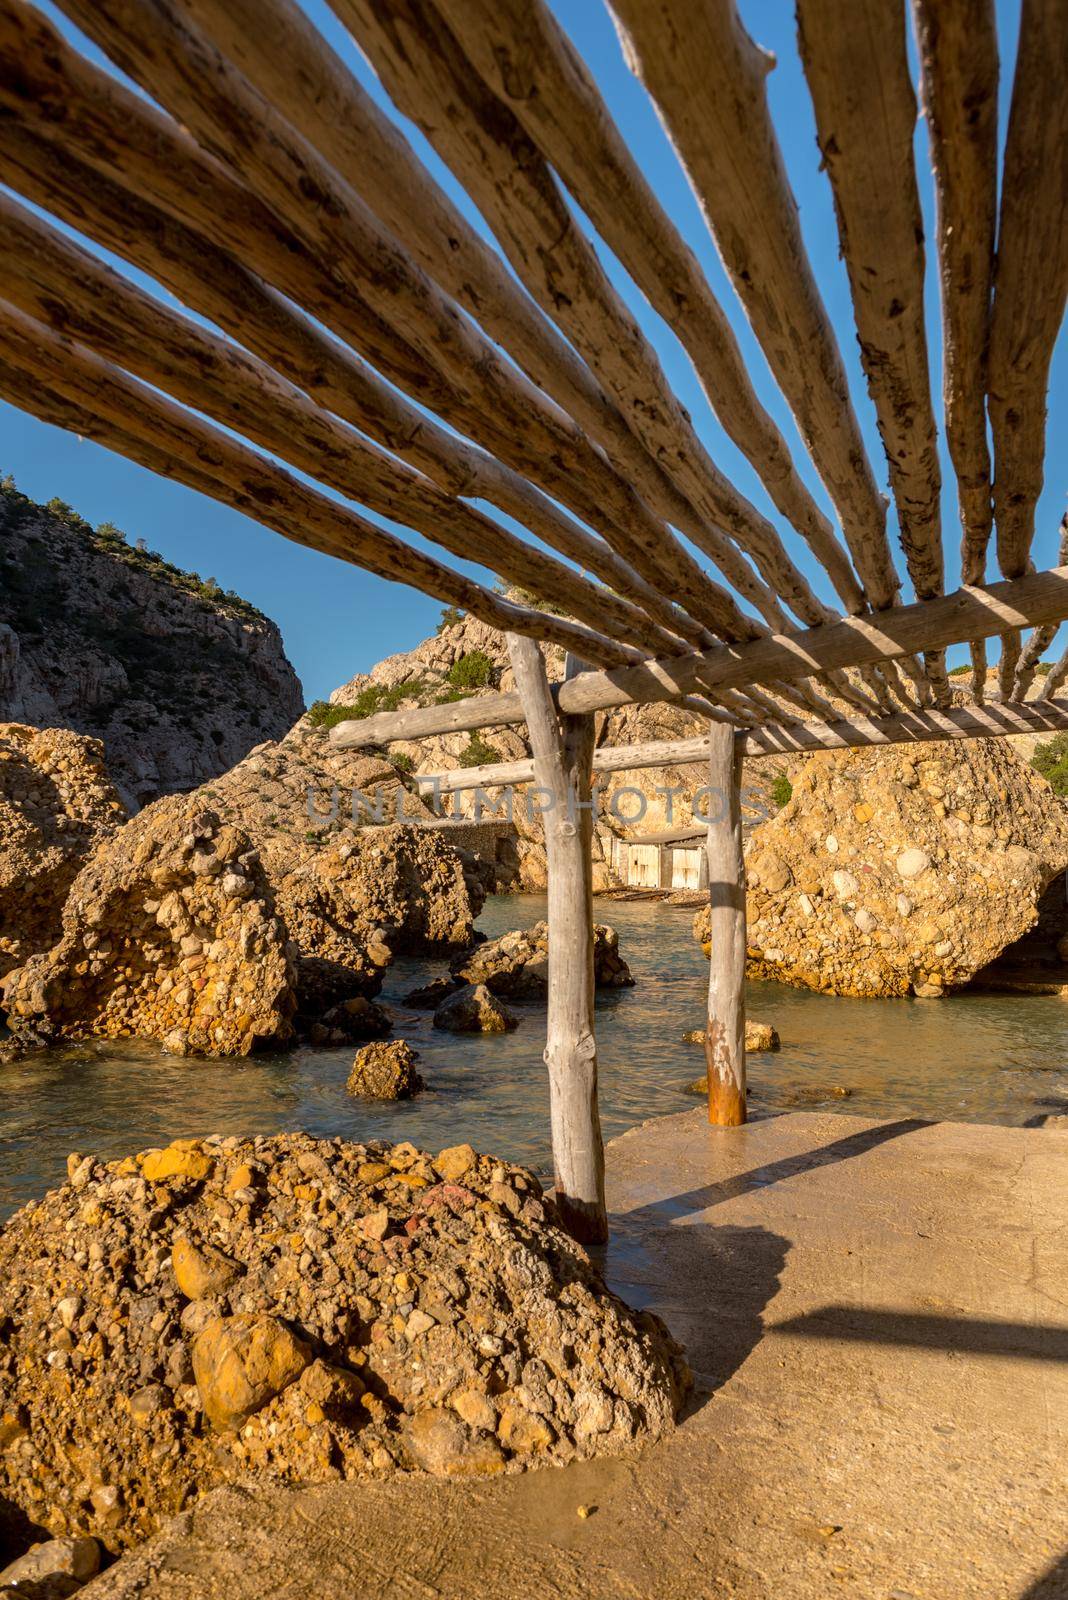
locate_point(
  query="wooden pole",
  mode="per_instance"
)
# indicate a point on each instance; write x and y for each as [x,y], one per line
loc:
[563,761]
[725,1035]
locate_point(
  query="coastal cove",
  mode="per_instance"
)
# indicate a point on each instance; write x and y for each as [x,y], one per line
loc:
[972,1057]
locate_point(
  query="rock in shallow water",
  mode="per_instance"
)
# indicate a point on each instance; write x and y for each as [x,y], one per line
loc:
[473,1009]
[390,1311]
[385,1072]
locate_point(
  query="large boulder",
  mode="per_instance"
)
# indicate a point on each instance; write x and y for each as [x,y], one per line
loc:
[354,886]
[517,964]
[363,1310]
[56,802]
[902,869]
[170,933]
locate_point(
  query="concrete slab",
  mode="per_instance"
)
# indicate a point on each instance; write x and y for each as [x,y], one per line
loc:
[878,1314]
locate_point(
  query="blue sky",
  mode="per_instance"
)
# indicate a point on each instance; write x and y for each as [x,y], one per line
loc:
[336,619]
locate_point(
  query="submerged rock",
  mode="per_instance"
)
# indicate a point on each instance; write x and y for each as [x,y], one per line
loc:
[169,933]
[380,1311]
[385,1072]
[759,1036]
[56,802]
[517,964]
[901,869]
[473,1009]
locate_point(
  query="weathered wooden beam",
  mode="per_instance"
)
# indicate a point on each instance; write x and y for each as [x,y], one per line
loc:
[51,279]
[1031,275]
[1041,638]
[49,91]
[979,612]
[118,411]
[708,81]
[523,55]
[432,80]
[988,721]
[725,1027]
[563,752]
[958,49]
[856,63]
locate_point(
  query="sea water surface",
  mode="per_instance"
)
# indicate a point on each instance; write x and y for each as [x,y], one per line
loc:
[978,1058]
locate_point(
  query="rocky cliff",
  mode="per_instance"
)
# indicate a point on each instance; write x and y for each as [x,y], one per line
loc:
[178,679]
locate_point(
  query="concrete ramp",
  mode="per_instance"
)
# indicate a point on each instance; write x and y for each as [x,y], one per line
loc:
[878,1315]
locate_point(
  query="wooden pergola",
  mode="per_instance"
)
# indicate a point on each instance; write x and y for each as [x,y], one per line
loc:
[350,339]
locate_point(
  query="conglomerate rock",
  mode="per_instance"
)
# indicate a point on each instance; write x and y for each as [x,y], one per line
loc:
[517,964]
[56,802]
[302,1309]
[169,933]
[385,1071]
[905,868]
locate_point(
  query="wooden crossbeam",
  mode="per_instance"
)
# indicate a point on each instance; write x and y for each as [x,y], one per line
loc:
[962,722]
[106,404]
[973,613]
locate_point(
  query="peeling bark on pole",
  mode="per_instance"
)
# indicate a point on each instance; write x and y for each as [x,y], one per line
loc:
[856,65]
[1031,276]
[725,1032]
[958,48]
[563,757]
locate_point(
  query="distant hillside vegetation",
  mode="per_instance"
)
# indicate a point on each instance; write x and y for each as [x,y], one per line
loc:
[178,678]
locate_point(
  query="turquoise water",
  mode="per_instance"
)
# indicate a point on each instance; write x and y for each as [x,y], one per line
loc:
[980,1058]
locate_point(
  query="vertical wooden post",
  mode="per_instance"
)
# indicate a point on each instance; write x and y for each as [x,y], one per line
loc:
[725,1035]
[562,747]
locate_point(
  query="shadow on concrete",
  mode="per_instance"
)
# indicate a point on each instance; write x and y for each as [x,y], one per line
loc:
[1053,1585]
[982,1336]
[711,1284]
[714,1194]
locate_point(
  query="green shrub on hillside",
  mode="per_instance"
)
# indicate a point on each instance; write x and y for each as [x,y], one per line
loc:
[376,697]
[1051,760]
[471,671]
[781,790]
[477,753]
[451,617]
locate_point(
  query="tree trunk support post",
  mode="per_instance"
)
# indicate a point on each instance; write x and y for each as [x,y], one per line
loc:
[725,1035]
[563,761]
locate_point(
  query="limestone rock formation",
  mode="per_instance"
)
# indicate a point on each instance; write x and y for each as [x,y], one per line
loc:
[56,802]
[176,678]
[473,1009]
[169,933]
[902,869]
[517,964]
[354,886]
[383,1312]
[385,1072]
